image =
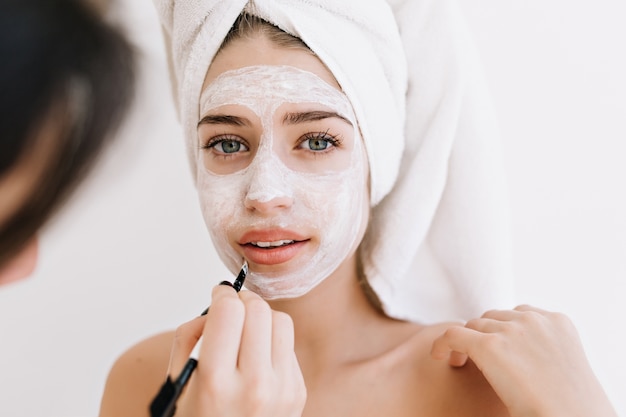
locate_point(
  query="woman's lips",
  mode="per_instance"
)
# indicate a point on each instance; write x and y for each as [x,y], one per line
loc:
[271,247]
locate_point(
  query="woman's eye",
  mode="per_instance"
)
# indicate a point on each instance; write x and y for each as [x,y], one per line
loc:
[318,142]
[226,146]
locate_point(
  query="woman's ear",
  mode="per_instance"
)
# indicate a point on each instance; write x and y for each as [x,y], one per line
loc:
[22,265]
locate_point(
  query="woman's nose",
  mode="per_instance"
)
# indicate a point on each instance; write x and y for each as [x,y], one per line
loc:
[269,188]
[271,206]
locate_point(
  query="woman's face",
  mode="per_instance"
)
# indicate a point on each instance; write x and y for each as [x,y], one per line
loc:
[282,171]
[16,187]
[19,184]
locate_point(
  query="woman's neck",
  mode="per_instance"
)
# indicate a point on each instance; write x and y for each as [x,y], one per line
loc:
[335,323]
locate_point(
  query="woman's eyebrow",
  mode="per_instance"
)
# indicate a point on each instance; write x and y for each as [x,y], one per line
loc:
[311,116]
[223,119]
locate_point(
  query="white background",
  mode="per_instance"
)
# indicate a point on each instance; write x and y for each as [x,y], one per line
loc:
[130,256]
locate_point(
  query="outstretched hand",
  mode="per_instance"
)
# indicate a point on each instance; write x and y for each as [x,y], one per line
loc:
[532,358]
[247,364]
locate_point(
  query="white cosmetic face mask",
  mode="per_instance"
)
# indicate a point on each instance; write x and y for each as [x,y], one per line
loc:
[329,205]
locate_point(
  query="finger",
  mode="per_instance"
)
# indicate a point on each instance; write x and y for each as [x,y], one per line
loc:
[455,338]
[297,386]
[526,307]
[184,340]
[457,359]
[487,325]
[502,315]
[256,341]
[222,330]
[282,340]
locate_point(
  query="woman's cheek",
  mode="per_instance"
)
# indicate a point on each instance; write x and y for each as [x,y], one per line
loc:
[221,200]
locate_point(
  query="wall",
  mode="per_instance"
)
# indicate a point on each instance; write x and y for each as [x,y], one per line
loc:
[130,256]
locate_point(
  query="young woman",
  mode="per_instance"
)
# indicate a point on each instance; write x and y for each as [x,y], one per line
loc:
[287,172]
[66,80]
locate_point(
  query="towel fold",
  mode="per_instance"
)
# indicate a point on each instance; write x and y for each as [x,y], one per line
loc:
[438,243]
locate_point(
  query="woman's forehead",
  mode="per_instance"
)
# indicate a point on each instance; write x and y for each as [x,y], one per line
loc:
[266,87]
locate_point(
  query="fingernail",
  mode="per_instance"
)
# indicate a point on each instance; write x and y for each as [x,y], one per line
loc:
[206,310]
[227,283]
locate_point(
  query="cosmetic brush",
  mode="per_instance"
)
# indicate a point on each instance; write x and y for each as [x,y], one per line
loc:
[164,404]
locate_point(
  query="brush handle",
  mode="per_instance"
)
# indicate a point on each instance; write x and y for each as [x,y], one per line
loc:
[164,404]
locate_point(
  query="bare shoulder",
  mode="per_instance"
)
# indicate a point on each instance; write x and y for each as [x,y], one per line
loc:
[458,391]
[136,376]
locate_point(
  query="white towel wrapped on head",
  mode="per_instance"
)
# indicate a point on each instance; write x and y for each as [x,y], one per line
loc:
[438,244]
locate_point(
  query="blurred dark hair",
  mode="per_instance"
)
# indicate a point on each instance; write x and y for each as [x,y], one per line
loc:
[63,71]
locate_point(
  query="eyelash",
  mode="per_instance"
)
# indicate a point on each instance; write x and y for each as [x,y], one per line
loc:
[216,140]
[334,140]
